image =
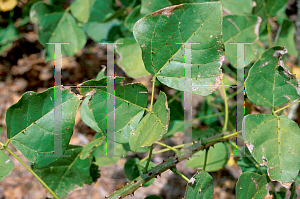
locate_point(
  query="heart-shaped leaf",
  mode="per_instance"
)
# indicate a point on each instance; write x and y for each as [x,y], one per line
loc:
[274,142]
[30,124]
[163,34]
[6,165]
[200,186]
[67,173]
[152,127]
[56,25]
[269,82]
[87,115]
[251,185]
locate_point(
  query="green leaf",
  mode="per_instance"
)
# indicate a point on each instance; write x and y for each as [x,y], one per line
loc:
[101,74]
[152,127]
[285,37]
[159,33]
[133,17]
[99,31]
[122,136]
[269,82]
[67,173]
[130,58]
[8,34]
[30,124]
[217,158]
[251,185]
[101,10]
[268,139]
[57,25]
[87,115]
[6,165]
[102,159]
[174,126]
[176,110]
[246,163]
[241,29]
[266,9]
[130,100]
[134,168]
[90,147]
[200,186]
[81,9]
[239,7]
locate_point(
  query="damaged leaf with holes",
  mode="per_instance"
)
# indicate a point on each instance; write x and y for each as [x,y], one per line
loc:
[164,34]
[269,82]
[274,142]
[200,186]
[30,124]
[251,185]
[69,172]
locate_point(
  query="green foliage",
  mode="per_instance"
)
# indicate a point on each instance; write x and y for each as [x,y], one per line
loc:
[154,34]
[251,185]
[30,125]
[67,173]
[200,186]
[6,165]
[163,51]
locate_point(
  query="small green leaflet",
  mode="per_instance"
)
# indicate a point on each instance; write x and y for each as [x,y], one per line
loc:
[153,126]
[200,186]
[6,165]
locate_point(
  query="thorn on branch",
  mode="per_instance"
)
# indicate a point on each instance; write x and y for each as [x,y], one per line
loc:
[176,160]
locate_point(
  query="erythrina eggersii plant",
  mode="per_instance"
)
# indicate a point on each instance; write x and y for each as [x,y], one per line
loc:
[154,35]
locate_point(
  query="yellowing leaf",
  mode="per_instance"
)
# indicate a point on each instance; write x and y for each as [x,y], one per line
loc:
[7,5]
